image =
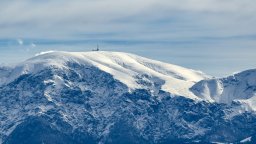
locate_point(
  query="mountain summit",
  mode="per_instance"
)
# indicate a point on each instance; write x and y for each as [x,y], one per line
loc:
[114,97]
[132,70]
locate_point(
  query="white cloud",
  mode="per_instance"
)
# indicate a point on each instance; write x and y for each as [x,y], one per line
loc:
[44,52]
[20,41]
[33,45]
[162,19]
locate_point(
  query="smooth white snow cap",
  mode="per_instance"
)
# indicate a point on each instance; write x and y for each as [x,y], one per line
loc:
[44,52]
[124,67]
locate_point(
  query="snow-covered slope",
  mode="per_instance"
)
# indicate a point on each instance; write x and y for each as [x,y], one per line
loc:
[113,97]
[132,70]
[240,87]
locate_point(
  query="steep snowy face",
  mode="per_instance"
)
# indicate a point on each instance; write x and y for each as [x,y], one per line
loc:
[134,71]
[240,87]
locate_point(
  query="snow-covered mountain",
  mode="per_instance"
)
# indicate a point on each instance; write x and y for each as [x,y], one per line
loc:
[132,70]
[113,97]
[240,87]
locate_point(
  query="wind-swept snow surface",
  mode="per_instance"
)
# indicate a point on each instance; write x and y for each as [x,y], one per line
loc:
[129,69]
[240,87]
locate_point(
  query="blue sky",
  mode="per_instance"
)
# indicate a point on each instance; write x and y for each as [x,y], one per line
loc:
[215,36]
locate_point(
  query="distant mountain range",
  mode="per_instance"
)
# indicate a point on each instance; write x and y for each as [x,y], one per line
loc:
[115,97]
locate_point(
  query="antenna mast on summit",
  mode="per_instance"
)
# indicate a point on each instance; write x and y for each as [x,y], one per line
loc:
[97,47]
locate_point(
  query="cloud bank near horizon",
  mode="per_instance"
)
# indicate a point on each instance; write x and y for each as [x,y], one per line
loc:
[133,19]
